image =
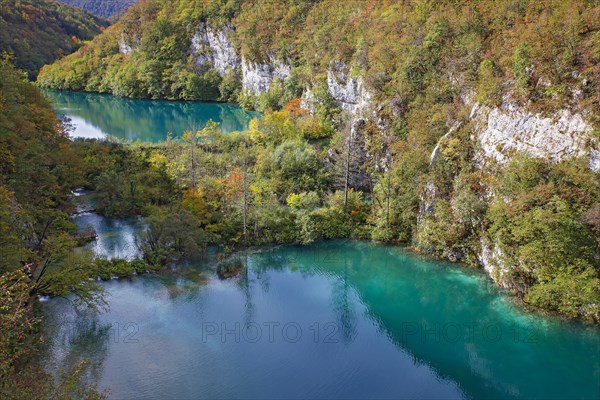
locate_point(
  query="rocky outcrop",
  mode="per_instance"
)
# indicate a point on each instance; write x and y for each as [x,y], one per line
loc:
[349,92]
[490,258]
[124,47]
[426,203]
[257,78]
[594,162]
[128,43]
[213,48]
[503,131]
[307,101]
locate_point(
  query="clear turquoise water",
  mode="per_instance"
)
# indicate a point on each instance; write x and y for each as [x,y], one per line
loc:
[100,116]
[332,320]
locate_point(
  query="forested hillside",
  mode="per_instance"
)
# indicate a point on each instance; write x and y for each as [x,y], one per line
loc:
[36,32]
[39,167]
[402,49]
[463,130]
[110,9]
[468,130]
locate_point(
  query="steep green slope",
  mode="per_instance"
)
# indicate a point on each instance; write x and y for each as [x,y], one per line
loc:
[38,170]
[403,49]
[425,106]
[110,9]
[37,32]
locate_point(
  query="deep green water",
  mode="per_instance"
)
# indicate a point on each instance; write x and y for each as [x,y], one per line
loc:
[331,320]
[100,116]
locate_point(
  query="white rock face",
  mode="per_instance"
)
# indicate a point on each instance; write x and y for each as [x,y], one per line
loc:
[490,259]
[509,129]
[594,163]
[127,44]
[214,49]
[350,93]
[426,203]
[124,48]
[257,78]
[307,101]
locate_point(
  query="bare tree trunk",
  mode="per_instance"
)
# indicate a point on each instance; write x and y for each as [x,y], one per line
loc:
[193,164]
[245,202]
[347,172]
[387,212]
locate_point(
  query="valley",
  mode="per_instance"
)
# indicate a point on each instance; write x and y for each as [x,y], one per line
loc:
[282,199]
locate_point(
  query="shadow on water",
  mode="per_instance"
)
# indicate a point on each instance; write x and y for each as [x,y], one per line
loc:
[100,115]
[455,321]
[376,322]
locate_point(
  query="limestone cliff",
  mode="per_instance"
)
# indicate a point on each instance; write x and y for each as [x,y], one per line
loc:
[500,133]
[349,92]
[504,130]
[257,78]
[213,48]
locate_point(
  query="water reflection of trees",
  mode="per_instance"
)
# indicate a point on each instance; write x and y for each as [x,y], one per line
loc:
[245,284]
[344,307]
[76,338]
[395,289]
[310,261]
[401,291]
[147,120]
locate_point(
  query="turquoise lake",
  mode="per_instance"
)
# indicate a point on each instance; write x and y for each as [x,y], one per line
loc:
[104,116]
[338,319]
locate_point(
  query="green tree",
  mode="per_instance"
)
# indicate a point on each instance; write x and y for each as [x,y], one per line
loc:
[521,66]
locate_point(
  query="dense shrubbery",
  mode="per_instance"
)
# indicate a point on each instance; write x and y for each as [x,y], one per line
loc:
[118,268]
[125,181]
[39,167]
[38,32]
[266,185]
[538,222]
[172,235]
[295,177]
[403,50]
